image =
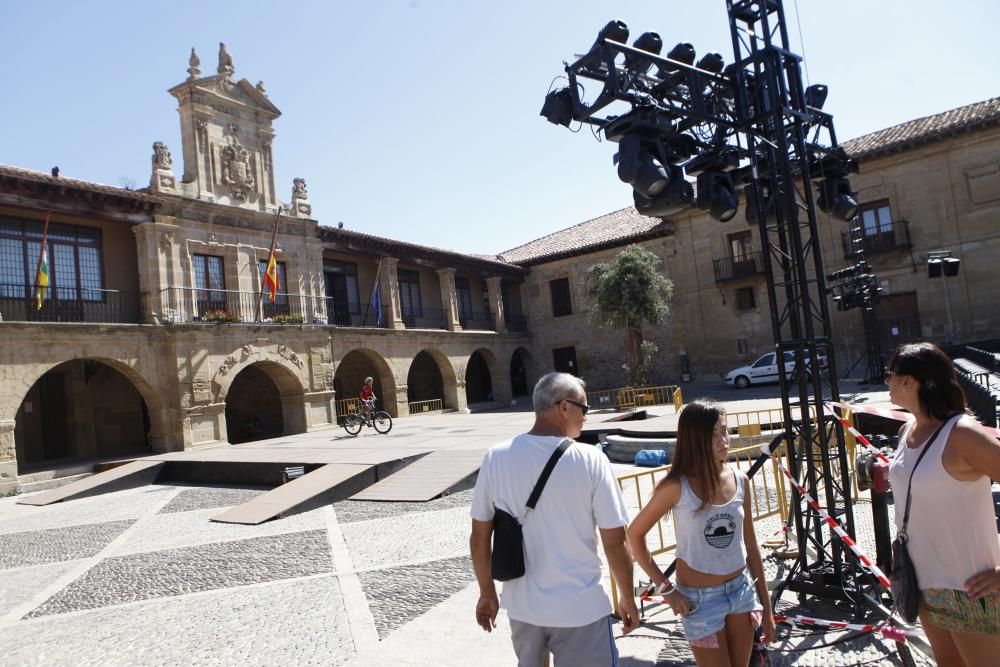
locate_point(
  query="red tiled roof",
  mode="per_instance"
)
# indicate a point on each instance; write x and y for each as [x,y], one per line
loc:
[614,229]
[925,130]
[76,184]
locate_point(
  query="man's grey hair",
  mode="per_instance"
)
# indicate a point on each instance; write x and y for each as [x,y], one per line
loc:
[555,387]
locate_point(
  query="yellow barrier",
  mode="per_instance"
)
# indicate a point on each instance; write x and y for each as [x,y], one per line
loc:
[769,495]
[636,397]
[420,407]
[345,406]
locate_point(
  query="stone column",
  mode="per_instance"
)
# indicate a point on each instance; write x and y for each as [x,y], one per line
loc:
[390,292]
[449,298]
[8,459]
[155,250]
[493,294]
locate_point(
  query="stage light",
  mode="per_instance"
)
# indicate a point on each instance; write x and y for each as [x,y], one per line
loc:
[647,41]
[711,62]
[816,95]
[717,195]
[639,168]
[683,53]
[837,199]
[558,107]
[677,195]
[615,30]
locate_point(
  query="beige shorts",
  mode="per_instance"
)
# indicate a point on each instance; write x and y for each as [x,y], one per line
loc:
[591,645]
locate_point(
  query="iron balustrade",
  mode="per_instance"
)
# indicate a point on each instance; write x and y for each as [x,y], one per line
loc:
[425,318]
[359,315]
[69,304]
[886,238]
[740,266]
[188,304]
[517,323]
[477,321]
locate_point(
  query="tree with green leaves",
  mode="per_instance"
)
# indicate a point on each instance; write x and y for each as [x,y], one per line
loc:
[626,292]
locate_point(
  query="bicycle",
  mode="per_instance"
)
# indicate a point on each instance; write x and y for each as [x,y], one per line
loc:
[377,419]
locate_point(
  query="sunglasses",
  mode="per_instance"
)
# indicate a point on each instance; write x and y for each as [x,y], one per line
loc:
[583,407]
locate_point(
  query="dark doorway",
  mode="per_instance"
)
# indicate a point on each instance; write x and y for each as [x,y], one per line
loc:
[478,383]
[898,321]
[253,407]
[81,409]
[518,375]
[424,381]
[564,360]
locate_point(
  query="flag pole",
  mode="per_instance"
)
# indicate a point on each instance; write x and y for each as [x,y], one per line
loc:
[375,286]
[39,295]
[260,297]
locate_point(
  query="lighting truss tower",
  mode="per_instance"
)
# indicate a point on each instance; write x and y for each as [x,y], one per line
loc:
[752,124]
[874,363]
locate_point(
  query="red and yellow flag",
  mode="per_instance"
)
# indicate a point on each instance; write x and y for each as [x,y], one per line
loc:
[271,276]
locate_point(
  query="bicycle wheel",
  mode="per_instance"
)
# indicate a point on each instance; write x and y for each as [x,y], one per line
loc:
[353,424]
[383,422]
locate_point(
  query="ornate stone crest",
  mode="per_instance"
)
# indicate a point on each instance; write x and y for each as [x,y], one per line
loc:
[236,170]
[161,156]
[300,197]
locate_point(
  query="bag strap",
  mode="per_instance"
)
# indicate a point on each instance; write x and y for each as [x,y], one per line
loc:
[546,471]
[909,486]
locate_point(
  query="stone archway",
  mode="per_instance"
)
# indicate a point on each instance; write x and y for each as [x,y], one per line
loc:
[264,400]
[87,409]
[481,375]
[431,376]
[350,376]
[520,361]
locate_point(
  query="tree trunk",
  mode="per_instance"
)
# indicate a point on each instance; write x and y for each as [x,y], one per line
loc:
[634,333]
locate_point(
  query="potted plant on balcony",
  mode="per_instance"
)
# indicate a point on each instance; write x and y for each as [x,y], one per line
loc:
[218,316]
[287,319]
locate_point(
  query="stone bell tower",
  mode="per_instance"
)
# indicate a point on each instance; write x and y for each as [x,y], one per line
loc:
[226,137]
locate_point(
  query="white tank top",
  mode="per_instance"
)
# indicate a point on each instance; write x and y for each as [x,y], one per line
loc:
[952,528]
[710,540]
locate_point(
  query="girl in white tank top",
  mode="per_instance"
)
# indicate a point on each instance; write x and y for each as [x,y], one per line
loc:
[952,528]
[721,592]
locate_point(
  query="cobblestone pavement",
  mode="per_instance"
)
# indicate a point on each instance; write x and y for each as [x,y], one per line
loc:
[142,577]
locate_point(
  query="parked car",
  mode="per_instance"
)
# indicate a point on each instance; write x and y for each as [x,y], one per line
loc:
[766,370]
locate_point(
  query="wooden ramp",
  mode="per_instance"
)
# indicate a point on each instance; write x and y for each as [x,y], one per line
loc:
[427,478]
[128,476]
[299,493]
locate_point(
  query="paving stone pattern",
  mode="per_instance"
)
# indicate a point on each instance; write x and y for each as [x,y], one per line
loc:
[58,544]
[351,511]
[398,595]
[179,571]
[208,497]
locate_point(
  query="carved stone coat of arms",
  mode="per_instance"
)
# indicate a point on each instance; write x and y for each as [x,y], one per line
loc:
[236,170]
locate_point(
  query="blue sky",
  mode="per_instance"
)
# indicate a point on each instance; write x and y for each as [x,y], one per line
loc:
[418,119]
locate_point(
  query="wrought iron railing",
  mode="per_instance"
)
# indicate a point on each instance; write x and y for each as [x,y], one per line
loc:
[425,318]
[73,304]
[517,323]
[187,304]
[477,321]
[740,266]
[356,315]
[886,238]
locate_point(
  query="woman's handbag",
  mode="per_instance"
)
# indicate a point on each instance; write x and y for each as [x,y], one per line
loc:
[902,575]
[507,561]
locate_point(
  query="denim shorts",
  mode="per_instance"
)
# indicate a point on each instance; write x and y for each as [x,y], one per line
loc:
[711,605]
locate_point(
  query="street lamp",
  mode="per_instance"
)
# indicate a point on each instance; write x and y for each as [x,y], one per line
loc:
[941,264]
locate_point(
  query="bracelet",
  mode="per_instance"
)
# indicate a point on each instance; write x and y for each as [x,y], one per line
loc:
[666,588]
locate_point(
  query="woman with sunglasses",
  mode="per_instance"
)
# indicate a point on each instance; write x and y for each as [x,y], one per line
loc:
[952,527]
[721,593]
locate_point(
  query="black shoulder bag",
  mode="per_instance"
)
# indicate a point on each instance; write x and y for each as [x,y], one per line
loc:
[508,539]
[903,576]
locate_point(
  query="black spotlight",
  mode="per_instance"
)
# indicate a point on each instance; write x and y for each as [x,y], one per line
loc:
[837,199]
[615,30]
[639,168]
[717,195]
[678,194]
[711,62]
[816,95]
[558,107]
[647,41]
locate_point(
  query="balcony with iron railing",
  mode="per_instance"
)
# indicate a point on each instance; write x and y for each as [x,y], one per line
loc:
[69,304]
[886,238]
[425,318]
[359,315]
[517,323]
[740,266]
[476,321]
[186,304]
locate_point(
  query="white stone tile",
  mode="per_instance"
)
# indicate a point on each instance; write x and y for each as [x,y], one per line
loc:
[411,538]
[130,504]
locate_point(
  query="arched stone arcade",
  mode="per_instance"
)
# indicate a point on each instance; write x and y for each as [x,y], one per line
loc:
[484,380]
[264,400]
[431,376]
[350,375]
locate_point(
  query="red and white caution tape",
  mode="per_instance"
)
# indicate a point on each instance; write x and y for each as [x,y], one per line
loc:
[896,415]
[857,434]
[888,631]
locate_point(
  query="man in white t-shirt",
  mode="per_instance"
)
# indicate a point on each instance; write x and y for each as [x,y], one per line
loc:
[559,605]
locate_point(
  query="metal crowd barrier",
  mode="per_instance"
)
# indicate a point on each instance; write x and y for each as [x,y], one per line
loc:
[424,407]
[625,398]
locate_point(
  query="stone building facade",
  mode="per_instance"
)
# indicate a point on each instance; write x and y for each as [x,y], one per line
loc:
[156,333]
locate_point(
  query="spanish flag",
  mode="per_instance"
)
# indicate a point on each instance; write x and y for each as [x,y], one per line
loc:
[270,276]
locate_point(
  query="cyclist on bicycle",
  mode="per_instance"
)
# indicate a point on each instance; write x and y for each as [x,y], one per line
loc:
[368,399]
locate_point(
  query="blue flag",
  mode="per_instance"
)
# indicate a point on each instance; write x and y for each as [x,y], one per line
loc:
[376,303]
